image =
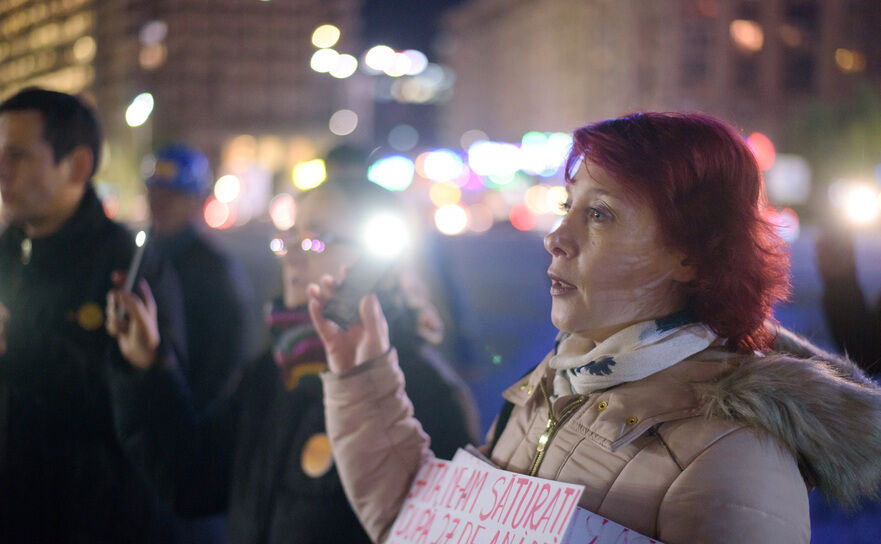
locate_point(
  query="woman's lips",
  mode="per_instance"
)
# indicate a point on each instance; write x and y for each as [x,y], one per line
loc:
[559,286]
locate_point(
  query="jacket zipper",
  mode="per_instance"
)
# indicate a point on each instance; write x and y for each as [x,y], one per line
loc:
[554,422]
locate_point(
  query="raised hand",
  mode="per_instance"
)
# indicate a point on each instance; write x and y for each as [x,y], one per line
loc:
[363,341]
[132,321]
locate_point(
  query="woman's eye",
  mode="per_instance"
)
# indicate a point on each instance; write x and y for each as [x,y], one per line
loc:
[596,214]
[565,207]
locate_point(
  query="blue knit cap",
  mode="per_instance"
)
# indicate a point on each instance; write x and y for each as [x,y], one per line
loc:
[181,168]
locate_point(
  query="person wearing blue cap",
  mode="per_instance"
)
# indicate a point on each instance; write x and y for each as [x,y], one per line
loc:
[216,293]
[215,290]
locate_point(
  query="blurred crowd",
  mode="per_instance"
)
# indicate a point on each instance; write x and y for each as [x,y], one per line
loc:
[131,408]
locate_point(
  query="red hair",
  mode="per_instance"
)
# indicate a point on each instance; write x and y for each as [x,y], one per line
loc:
[706,190]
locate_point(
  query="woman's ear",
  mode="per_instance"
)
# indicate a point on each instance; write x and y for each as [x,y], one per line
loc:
[685,270]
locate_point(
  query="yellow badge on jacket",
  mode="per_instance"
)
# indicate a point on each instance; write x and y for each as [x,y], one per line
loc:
[301,370]
[316,457]
[90,316]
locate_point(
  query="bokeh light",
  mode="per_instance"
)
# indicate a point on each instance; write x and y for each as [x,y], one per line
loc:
[789,180]
[393,172]
[386,235]
[403,137]
[521,217]
[84,49]
[345,66]
[379,57]
[218,215]
[343,122]
[276,245]
[556,197]
[480,218]
[442,165]
[860,202]
[494,159]
[747,35]
[309,174]
[324,60]
[469,137]
[153,32]
[418,61]
[139,110]
[442,194]
[227,188]
[152,56]
[763,149]
[399,66]
[537,156]
[471,181]
[849,61]
[283,211]
[536,199]
[325,36]
[451,219]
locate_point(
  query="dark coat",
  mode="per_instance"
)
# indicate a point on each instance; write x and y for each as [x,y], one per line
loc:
[63,475]
[246,457]
[855,325]
[216,303]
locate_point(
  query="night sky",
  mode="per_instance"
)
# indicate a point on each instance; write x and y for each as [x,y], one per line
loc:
[412,24]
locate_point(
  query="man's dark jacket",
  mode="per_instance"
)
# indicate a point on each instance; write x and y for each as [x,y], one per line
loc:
[63,474]
[216,304]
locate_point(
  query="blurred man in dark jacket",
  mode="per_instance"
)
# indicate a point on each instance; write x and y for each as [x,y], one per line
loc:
[63,475]
[853,321]
[216,294]
[215,290]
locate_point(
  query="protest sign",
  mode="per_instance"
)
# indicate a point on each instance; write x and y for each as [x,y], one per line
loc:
[469,501]
[589,528]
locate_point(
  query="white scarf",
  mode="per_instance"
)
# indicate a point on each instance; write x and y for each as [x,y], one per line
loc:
[630,354]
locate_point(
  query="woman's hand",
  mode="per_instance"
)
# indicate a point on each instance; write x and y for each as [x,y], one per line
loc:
[132,321]
[363,341]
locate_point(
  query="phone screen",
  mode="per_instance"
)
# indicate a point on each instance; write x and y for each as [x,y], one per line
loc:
[362,278]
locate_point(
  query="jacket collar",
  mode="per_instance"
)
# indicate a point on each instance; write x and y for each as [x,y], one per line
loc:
[178,242]
[632,408]
[56,247]
[823,408]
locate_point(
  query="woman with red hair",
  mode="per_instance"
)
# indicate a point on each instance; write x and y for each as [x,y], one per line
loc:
[663,396]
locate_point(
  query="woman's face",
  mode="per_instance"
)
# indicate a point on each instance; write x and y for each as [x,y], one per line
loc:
[326,216]
[608,267]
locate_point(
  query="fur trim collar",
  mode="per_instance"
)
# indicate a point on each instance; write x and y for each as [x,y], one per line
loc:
[823,408]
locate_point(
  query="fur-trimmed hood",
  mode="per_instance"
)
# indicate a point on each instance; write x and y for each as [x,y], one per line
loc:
[821,406]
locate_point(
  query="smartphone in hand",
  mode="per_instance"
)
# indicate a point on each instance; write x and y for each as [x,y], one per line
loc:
[362,279]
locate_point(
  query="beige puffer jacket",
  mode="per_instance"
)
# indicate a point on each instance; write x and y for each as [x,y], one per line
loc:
[718,448]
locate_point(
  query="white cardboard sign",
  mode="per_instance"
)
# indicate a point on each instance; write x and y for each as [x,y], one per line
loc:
[467,501]
[589,528]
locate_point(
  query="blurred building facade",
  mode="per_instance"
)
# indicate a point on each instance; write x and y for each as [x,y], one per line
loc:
[558,64]
[231,76]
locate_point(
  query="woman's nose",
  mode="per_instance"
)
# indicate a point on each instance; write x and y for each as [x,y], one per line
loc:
[558,243]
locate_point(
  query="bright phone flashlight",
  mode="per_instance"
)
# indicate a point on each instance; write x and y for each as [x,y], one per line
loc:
[386,235]
[859,202]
